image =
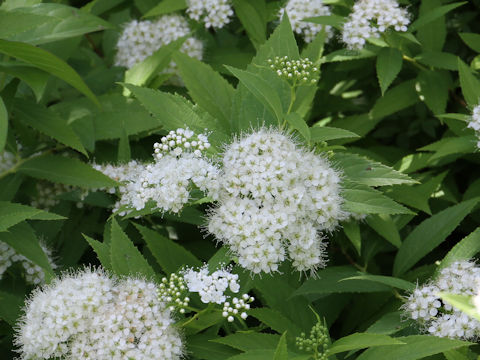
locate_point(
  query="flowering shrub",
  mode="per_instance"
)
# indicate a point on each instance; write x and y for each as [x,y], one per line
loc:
[239,179]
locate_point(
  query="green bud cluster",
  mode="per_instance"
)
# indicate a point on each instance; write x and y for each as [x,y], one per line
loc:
[317,342]
[297,72]
[173,292]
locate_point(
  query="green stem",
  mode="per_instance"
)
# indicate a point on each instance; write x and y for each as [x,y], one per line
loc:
[4,74]
[414,62]
[293,96]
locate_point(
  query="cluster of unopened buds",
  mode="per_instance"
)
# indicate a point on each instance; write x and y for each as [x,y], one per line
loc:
[317,342]
[237,307]
[172,292]
[298,72]
[180,141]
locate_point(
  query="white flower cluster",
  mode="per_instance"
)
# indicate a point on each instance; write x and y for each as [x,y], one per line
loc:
[34,274]
[122,174]
[297,72]
[179,141]
[90,315]
[440,318]
[370,18]
[166,183]
[274,196]
[140,39]
[214,13]
[211,287]
[298,10]
[474,122]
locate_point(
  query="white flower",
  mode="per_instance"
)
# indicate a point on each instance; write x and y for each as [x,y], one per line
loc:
[211,287]
[439,318]
[33,273]
[214,13]
[140,39]
[298,10]
[91,315]
[273,196]
[370,18]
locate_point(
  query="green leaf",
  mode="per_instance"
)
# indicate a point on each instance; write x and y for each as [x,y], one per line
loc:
[438,59]
[65,170]
[22,238]
[126,259]
[124,151]
[432,87]
[469,83]
[281,43]
[296,122]
[10,307]
[364,200]
[433,36]
[386,280]
[389,64]
[324,133]
[330,20]
[455,355]
[169,255]
[433,15]
[3,125]
[348,55]
[385,227]
[62,22]
[329,281]
[102,250]
[48,123]
[361,341]
[249,341]
[254,355]
[207,88]
[352,231]
[472,40]
[465,249]
[33,77]
[252,14]
[14,22]
[13,213]
[417,196]
[48,62]
[452,145]
[429,234]
[416,347]
[281,352]
[395,99]
[166,7]
[261,89]
[364,171]
[275,320]
[388,324]
[202,347]
[142,72]
[174,111]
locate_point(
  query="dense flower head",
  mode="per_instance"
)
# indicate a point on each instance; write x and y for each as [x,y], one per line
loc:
[214,13]
[33,273]
[297,72]
[7,161]
[298,10]
[370,18]
[140,39]
[440,318]
[275,196]
[90,315]
[180,141]
[474,122]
